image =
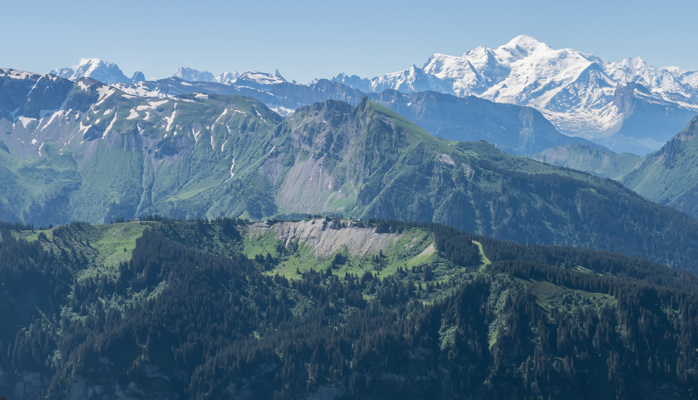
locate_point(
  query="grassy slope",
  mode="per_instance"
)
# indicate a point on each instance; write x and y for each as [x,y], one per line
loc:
[669,176]
[605,164]
[104,246]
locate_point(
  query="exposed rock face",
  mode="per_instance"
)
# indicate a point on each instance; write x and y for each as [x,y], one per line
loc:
[326,237]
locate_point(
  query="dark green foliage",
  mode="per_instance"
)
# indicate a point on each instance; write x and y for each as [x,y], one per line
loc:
[456,245]
[33,283]
[539,322]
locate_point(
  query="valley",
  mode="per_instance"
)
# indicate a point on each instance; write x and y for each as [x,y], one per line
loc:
[667,176]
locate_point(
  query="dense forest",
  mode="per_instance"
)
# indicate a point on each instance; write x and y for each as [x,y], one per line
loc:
[188,315]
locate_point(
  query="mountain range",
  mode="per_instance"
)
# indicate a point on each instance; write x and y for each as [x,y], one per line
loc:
[102,154]
[516,130]
[417,235]
[626,105]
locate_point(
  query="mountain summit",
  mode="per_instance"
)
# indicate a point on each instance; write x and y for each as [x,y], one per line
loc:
[581,94]
[192,75]
[97,69]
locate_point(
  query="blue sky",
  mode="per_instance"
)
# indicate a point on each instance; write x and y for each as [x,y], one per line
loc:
[306,39]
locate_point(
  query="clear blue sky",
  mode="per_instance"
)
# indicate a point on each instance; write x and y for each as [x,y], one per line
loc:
[306,39]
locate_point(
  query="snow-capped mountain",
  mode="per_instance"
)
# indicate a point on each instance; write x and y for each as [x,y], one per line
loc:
[259,80]
[95,68]
[575,90]
[227,78]
[193,75]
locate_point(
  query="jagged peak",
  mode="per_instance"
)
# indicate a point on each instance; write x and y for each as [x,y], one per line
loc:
[363,103]
[479,51]
[191,74]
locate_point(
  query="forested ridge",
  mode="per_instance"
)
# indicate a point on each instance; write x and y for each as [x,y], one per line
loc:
[189,315]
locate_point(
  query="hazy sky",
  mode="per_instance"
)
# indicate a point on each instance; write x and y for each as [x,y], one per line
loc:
[308,39]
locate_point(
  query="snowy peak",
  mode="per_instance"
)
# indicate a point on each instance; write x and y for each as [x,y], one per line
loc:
[259,80]
[94,68]
[521,47]
[227,78]
[410,80]
[354,81]
[193,75]
[574,90]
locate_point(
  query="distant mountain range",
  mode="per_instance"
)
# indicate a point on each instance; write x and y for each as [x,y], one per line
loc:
[87,151]
[626,105]
[514,129]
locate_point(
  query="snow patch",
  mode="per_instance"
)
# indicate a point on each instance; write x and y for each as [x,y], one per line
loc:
[231,170]
[196,134]
[154,104]
[52,118]
[132,114]
[25,121]
[104,93]
[170,120]
[221,116]
[282,111]
[111,124]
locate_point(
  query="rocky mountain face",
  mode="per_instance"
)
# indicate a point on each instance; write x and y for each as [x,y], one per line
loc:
[581,94]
